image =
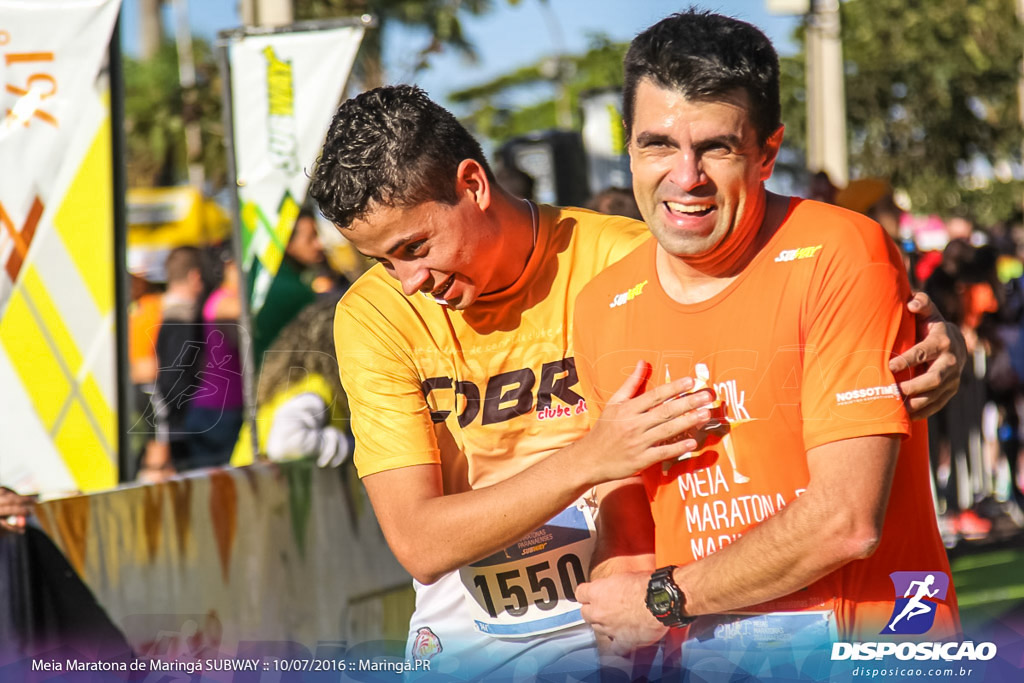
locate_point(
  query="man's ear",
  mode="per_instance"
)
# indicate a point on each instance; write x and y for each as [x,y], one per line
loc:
[771,152]
[471,179]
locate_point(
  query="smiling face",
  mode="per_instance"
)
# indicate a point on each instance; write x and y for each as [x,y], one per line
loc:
[432,248]
[698,170]
[453,253]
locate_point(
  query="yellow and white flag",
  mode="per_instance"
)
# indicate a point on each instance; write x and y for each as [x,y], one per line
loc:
[58,371]
[285,87]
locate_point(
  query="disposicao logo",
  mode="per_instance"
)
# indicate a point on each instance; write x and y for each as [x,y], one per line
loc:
[917,596]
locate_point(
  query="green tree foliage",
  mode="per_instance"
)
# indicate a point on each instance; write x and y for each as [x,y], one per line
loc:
[931,90]
[155,118]
[439,19]
[154,102]
[495,107]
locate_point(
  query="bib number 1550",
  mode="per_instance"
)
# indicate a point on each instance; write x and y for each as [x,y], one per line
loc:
[537,586]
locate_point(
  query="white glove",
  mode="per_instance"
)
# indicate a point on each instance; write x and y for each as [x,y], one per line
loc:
[302,427]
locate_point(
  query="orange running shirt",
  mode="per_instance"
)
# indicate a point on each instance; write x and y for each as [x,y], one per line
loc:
[143,325]
[485,392]
[797,351]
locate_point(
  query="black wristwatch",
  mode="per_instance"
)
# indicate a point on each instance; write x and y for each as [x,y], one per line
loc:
[665,600]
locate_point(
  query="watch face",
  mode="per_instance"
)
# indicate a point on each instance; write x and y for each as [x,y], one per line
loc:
[659,601]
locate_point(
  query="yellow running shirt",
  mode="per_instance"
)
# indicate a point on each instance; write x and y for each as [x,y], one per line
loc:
[485,392]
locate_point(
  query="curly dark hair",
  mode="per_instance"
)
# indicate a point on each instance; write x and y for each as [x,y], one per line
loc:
[704,55]
[392,146]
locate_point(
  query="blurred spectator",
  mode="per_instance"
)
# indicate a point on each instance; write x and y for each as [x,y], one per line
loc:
[821,188]
[960,288]
[178,348]
[14,509]
[302,410]
[873,197]
[291,289]
[926,265]
[981,285]
[214,414]
[615,201]
[982,307]
[961,228]
[514,179]
[1005,370]
[144,317]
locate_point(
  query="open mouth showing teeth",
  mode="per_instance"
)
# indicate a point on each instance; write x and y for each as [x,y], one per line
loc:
[690,209]
[438,294]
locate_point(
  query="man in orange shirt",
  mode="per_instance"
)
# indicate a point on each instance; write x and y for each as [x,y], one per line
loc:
[806,503]
[456,358]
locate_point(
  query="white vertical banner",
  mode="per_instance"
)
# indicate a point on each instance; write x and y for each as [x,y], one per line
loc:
[285,88]
[58,383]
[604,140]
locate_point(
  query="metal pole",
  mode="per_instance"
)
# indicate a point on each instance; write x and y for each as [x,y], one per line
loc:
[150,28]
[187,78]
[245,319]
[274,12]
[125,461]
[562,69]
[826,94]
[813,84]
[247,12]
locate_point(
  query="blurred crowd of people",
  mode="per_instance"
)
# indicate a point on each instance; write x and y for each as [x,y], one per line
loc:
[186,346]
[974,275]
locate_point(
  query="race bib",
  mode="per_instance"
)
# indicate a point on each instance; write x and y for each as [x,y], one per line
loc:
[529,588]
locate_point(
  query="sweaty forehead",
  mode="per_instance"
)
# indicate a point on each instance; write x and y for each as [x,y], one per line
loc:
[660,107]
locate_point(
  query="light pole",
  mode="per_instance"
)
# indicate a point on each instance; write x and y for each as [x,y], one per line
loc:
[826,94]
[266,12]
[187,78]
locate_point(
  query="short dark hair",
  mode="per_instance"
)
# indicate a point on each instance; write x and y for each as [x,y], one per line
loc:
[704,55]
[182,261]
[393,146]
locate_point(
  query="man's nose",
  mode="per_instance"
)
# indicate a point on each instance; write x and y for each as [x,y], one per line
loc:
[412,276]
[687,170]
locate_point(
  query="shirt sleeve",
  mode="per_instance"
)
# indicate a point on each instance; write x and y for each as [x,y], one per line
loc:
[855,322]
[391,420]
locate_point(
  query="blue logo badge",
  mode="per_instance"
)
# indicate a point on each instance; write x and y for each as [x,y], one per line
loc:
[917,596]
